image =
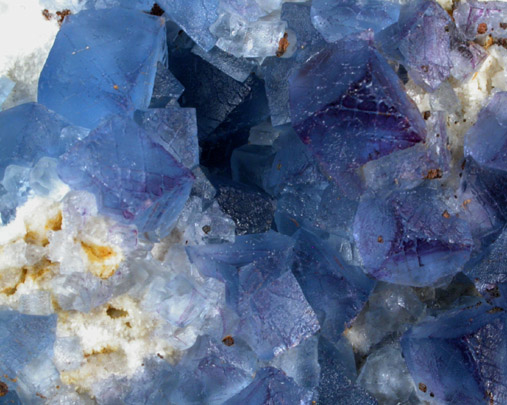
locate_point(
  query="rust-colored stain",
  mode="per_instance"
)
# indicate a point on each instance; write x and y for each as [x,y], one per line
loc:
[12,290]
[433,174]
[228,340]
[482,28]
[104,350]
[380,239]
[55,223]
[115,313]
[98,255]
[4,389]
[423,387]
[283,45]
[446,215]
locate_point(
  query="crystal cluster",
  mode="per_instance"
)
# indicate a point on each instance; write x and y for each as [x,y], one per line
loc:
[255,202]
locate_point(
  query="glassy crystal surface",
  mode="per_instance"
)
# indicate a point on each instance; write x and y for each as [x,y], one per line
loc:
[459,356]
[103,62]
[409,237]
[486,141]
[348,107]
[195,18]
[336,19]
[134,179]
[166,88]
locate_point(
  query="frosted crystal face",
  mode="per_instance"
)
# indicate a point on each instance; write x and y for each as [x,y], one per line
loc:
[97,67]
[459,356]
[486,141]
[336,19]
[349,108]
[195,17]
[410,238]
[134,179]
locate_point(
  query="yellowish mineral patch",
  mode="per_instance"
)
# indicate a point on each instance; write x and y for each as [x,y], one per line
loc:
[103,260]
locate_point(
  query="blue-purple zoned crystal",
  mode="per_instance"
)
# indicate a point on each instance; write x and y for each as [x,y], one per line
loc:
[349,108]
[134,178]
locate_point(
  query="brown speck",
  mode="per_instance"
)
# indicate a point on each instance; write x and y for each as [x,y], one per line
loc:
[482,28]
[502,42]
[228,340]
[46,14]
[425,68]
[426,114]
[503,26]
[446,215]
[115,313]
[128,325]
[61,15]
[160,356]
[104,350]
[57,387]
[40,395]
[423,387]
[4,389]
[206,229]
[432,395]
[466,202]
[283,44]
[293,220]
[495,310]
[380,239]
[446,28]
[156,10]
[115,87]
[433,174]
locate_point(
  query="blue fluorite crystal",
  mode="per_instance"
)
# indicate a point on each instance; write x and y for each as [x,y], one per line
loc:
[335,290]
[349,108]
[194,17]
[212,372]
[29,132]
[460,356]
[175,129]
[336,19]
[134,179]
[25,340]
[409,237]
[166,88]
[274,314]
[271,386]
[486,141]
[103,62]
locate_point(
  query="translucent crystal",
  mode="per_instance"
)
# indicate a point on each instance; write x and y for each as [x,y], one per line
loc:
[349,107]
[134,179]
[97,67]
[336,19]
[175,129]
[6,86]
[194,17]
[166,89]
[486,140]
[403,233]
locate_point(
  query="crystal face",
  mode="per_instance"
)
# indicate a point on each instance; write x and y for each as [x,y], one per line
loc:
[351,111]
[97,68]
[134,179]
[253,202]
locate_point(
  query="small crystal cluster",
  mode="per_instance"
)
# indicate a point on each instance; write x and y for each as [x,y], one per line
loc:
[256,202]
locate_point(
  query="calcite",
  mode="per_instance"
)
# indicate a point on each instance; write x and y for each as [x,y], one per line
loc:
[349,108]
[134,178]
[98,68]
